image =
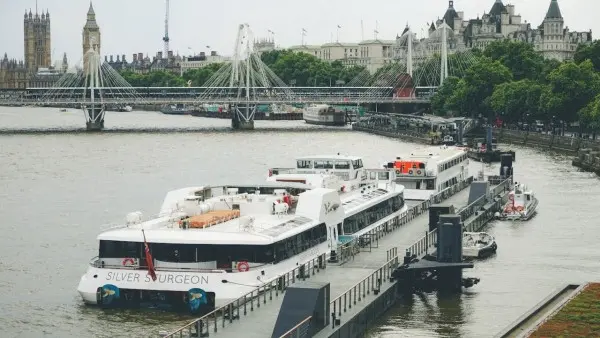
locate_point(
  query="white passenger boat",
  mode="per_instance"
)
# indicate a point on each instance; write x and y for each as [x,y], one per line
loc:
[522,204]
[478,245]
[426,172]
[370,197]
[323,114]
[211,245]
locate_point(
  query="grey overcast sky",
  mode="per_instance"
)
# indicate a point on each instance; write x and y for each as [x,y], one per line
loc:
[132,26]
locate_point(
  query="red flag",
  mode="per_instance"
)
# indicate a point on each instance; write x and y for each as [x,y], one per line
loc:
[151,270]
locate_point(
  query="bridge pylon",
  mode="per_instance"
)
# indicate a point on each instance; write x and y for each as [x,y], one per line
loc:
[94,87]
[95,108]
[244,83]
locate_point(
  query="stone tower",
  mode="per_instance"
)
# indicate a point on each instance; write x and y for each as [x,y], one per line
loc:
[554,35]
[91,35]
[37,41]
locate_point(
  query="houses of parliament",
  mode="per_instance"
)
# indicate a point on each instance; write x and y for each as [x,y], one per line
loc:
[36,70]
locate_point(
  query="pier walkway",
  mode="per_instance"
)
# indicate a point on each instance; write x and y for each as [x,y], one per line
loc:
[342,277]
[356,276]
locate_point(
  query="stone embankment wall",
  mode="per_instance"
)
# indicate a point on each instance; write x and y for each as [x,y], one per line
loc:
[390,131]
[566,144]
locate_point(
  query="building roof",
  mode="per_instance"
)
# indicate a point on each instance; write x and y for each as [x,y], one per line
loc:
[450,14]
[498,8]
[554,11]
[91,10]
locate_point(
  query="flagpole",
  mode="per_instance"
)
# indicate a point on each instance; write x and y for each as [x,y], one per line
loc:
[338,34]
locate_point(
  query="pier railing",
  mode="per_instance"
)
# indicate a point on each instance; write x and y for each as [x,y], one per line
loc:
[299,331]
[422,245]
[359,292]
[202,326]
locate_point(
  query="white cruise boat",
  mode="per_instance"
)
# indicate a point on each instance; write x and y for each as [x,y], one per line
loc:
[369,197]
[427,171]
[521,205]
[211,245]
[323,114]
[478,245]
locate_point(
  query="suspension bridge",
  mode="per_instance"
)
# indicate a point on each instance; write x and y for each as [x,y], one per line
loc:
[419,67]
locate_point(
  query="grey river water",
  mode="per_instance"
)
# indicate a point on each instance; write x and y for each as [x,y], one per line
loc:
[58,191]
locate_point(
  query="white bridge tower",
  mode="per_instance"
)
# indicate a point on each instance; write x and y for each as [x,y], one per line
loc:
[93,101]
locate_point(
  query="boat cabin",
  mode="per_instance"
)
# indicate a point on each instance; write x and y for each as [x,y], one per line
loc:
[349,170]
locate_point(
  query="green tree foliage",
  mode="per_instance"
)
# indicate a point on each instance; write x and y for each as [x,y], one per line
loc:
[439,102]
[514,82]
[306,70]
[519,57]
[589,52]
[470,95]
[518,101]
[571,87]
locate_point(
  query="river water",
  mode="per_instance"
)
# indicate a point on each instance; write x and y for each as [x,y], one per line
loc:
[59,190]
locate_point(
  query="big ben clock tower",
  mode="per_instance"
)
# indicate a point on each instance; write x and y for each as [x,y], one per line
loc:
[91,35]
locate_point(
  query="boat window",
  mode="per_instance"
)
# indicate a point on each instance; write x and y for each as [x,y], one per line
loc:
[383,175]
[118,249]
[304,164]
[342,165]
[430,184]
[373,214]
[299,243]
[357,164]
[421,165]
[323,164]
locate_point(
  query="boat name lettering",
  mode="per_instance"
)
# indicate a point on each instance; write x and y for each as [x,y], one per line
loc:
[132,277]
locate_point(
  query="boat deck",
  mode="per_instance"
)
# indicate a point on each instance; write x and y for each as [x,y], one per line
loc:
[260,322]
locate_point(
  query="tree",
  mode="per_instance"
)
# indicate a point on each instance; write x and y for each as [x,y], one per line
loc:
[520,57]
[571,87]
[517,101]
[589,52]
[439,102]
[199,76]
[472,92]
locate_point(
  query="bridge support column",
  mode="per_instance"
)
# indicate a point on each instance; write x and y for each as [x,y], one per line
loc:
[242,116]
[94,117]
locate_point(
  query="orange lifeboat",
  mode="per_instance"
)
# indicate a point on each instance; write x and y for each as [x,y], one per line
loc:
[411,168]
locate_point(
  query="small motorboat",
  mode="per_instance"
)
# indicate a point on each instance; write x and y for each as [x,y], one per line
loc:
[478,245]
[521,205]
[62,110]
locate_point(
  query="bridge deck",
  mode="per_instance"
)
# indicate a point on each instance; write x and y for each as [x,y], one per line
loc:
[260,323]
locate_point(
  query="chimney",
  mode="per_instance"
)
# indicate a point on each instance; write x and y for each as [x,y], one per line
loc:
[140,57]
[111,59]
[159,55]
[170,54]
[213,53]
[118,58]
[134,57]
[202,54]
[123,58]
[105,58]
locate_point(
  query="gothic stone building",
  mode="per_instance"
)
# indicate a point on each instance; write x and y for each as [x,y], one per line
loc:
[552,38]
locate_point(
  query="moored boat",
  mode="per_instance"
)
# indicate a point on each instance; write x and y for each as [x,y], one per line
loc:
[478,245]
[324,114]
[211,245]
[175,109]
[521,206]
[370,197]
[427,171]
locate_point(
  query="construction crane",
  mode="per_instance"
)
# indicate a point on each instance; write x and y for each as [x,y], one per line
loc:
[166,37]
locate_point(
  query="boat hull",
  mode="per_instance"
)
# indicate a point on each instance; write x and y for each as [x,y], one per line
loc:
[107,287]
[480,251]
[330,123]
